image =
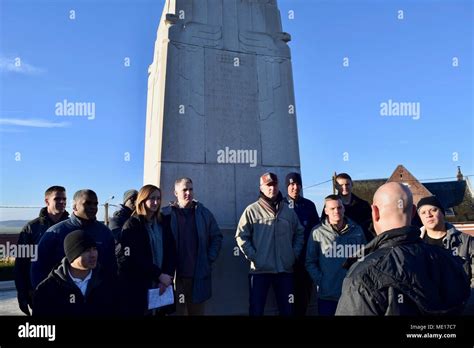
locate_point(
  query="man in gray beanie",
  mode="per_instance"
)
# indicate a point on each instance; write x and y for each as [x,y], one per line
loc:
[77,288]
[123,214]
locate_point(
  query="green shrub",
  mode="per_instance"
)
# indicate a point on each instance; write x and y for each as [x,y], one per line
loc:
[6,269]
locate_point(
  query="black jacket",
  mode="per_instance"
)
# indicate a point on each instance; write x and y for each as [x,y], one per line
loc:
[30,235]
[401,275]
[309,218]
[58,296]
[137,272]
[118,220]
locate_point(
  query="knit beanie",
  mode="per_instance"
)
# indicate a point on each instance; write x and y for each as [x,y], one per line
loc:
[430,200]
[293,178]
[76,243]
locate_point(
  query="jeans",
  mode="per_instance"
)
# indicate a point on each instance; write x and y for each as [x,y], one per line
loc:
[283,286]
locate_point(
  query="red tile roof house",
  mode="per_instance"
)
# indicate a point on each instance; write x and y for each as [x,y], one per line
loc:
[456,195]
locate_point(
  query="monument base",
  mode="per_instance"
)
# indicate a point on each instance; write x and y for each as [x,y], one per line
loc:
[230,292]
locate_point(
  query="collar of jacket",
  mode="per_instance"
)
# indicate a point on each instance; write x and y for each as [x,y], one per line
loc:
[354,200]
[274,205]
[452,237]
[124,210]
[299,200]
[44,216]
[175,204]
[451,231]
[80,222]
[142,219]
[387,239]
[62,273]
[349,224]
[344,229]
[394,237]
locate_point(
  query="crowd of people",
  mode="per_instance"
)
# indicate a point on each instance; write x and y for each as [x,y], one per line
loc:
[361,258]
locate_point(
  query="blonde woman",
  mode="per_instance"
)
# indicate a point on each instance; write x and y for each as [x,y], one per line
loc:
[147,257]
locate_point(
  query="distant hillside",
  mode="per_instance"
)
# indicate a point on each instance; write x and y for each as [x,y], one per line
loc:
[12,226]
[15,226]
[13,223]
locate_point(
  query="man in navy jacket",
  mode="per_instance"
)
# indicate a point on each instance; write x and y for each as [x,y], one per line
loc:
[309,218]
[50,248]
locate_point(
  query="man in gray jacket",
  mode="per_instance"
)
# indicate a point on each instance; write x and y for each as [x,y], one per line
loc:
[271,237]
[198,242]
[329,245]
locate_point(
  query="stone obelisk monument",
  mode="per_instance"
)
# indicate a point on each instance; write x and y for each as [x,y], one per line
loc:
[221,109]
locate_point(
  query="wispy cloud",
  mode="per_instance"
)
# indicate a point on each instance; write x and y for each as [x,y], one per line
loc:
[12,130]
[32,123]
[18,65]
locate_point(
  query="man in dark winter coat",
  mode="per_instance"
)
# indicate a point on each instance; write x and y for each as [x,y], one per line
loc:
[355,208]
[50,247]
[400,274]
[309,218]
[77,288]
[54,212]
[123,214]
[437,231]
[198,241]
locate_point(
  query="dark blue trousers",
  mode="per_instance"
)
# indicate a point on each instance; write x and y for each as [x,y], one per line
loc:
[327,307]
[283,286]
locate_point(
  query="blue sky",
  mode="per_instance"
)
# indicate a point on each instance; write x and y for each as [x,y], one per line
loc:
[338,108]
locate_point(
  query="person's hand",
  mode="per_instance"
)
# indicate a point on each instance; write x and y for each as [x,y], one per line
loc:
[23,304]
[166,279]
[162,288]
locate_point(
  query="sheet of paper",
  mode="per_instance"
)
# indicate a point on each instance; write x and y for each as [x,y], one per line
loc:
[157,301]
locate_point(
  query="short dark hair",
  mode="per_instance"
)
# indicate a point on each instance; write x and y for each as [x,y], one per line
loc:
[52,189]
[343,176]
[183,179]
[83,192]
[332,198]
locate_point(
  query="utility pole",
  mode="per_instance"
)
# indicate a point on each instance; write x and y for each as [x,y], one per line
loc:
[106,216]
[106,207]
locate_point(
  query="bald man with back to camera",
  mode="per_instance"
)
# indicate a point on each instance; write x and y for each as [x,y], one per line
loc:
[399,273]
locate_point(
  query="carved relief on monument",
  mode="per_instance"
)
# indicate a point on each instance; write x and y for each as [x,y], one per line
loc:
[276,105]
[184,105]
[230,102]
[197,34]
[262,43]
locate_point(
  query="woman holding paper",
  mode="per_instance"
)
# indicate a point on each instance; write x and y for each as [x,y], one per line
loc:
[147,255]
